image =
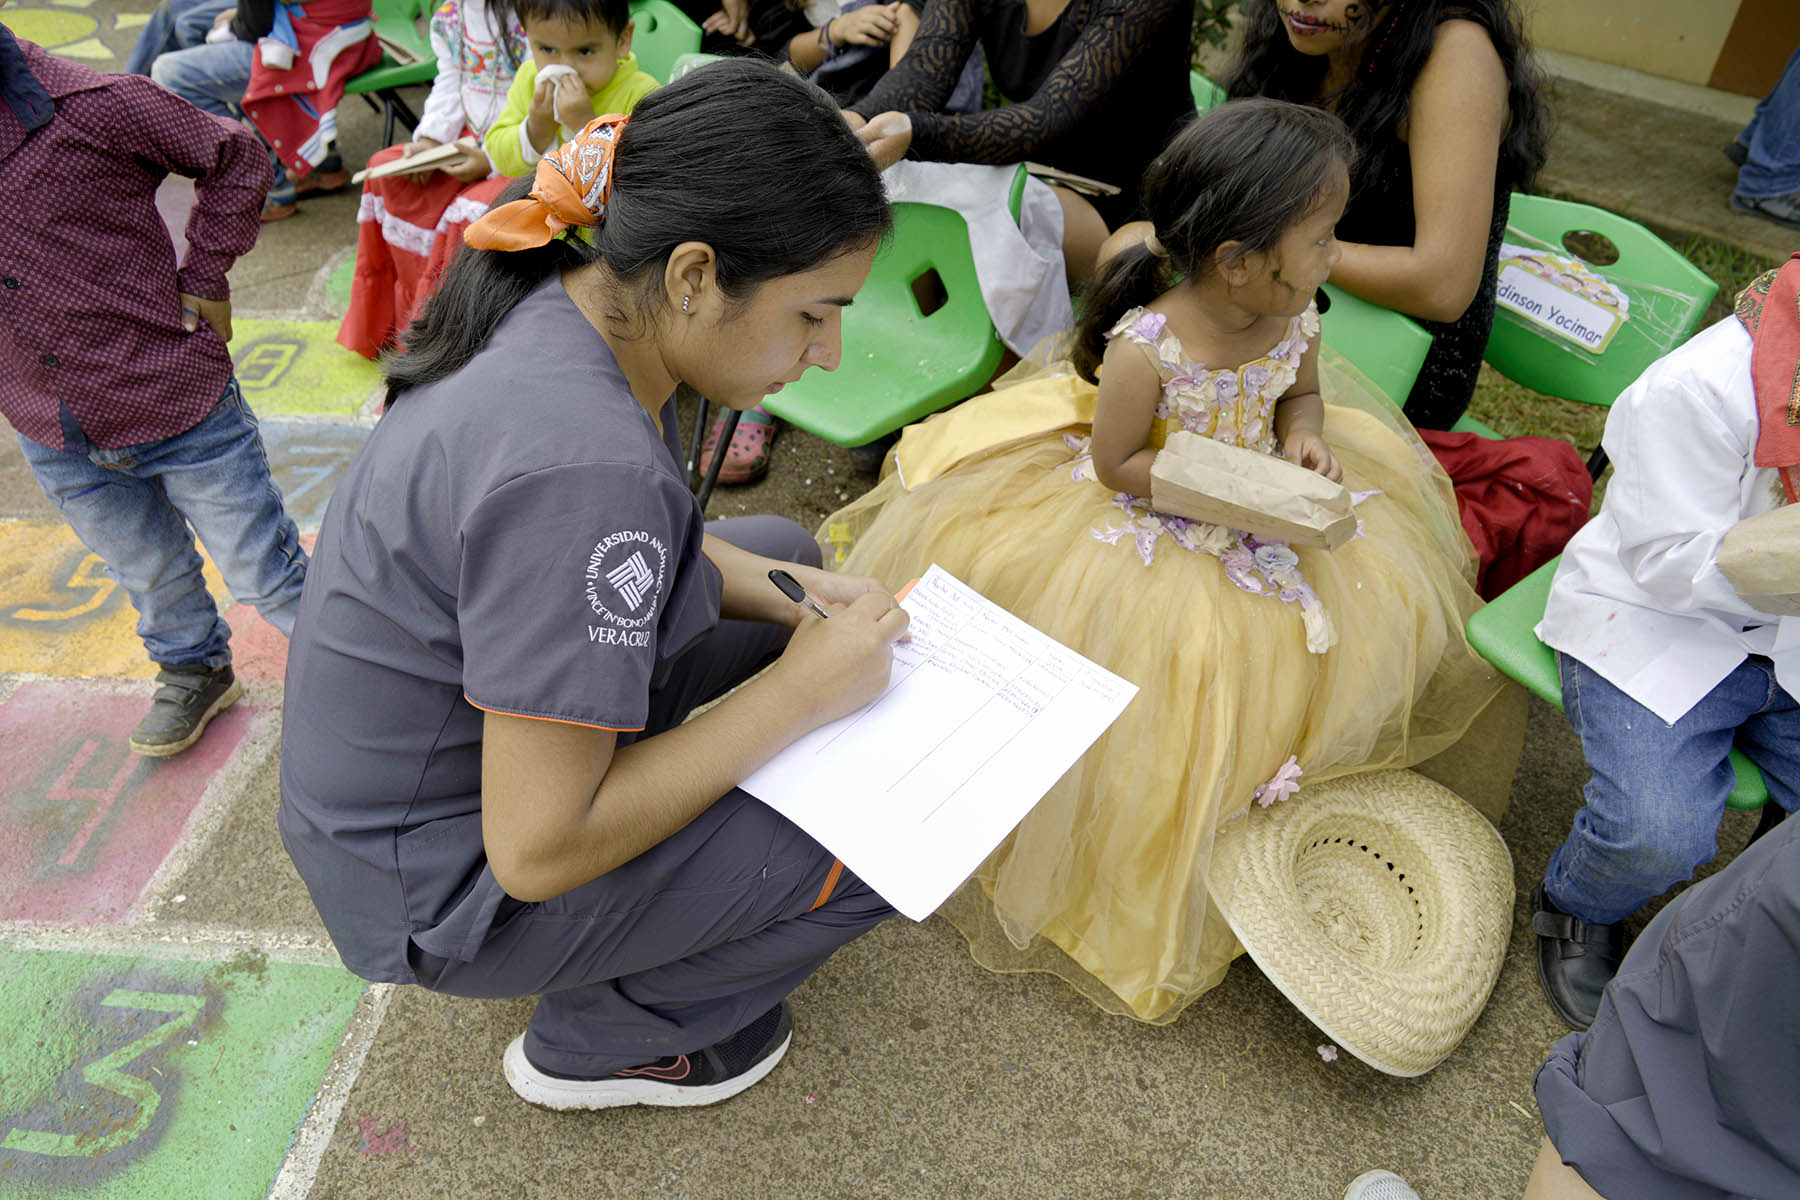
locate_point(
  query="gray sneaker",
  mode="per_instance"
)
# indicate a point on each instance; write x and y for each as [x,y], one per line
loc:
[1783,210]
[188,698]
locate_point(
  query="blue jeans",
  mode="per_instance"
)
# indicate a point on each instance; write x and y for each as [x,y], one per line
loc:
[133,507]
[1773,135]
[175,25]
[210,77]
[1658,791]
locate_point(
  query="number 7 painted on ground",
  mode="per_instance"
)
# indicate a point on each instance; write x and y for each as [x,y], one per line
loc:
[105,1073]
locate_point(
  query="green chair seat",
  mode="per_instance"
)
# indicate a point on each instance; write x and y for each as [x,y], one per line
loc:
[662,34]
[1502,633]
[899,363]
[1468,424]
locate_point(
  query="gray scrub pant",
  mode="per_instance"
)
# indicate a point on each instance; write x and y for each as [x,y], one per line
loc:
[695,938]
[1684,1087]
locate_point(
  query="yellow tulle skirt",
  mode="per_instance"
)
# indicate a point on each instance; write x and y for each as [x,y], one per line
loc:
[1103,883]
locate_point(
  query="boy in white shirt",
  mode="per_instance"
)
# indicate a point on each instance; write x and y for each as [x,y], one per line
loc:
[1664,666]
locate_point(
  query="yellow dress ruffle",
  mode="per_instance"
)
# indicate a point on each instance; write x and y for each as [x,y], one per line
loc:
[1108,869]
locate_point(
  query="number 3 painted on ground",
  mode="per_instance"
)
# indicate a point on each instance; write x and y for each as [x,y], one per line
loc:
[105,1073]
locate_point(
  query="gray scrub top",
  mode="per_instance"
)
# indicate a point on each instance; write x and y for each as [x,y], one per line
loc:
[517,538]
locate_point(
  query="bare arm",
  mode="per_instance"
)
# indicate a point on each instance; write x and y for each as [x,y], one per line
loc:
[1458,115]
[1300,420]
[1129,389]
[562,804]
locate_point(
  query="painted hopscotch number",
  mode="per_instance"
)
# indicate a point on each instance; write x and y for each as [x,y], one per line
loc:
[263,363]
[107,1074]
[89,578]
[104,799]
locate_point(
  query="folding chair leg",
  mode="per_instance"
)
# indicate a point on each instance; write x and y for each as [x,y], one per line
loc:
[732,416]
[1596,463]
[1772,815]
[394,105]
[693,454]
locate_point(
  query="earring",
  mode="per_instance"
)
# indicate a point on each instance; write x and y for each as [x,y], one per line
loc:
[684,302]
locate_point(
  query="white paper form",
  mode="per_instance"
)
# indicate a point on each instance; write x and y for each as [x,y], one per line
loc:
[982,715]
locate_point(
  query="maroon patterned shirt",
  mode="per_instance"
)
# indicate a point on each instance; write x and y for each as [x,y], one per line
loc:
[89,315]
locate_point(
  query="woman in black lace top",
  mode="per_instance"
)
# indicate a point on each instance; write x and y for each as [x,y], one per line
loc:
[1097,87]
[1443,101]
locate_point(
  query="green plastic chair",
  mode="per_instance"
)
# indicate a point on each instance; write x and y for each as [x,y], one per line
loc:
[1207,94]
[688,62]
[899,363]
[1502,633]
[662,34]
[1384,345]
[406,61]
[1668,297]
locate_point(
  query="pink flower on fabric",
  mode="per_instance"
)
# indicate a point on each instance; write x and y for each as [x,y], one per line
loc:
[1149,327]
[1195,422]
[1256,377]
[1226,386]
[1286,782]
[1358,497]
[1328,1052]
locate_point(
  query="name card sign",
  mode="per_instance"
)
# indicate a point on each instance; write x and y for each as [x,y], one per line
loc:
[1561,295]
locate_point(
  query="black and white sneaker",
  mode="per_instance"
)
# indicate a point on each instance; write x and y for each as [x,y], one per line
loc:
[707,1076]
[188,699]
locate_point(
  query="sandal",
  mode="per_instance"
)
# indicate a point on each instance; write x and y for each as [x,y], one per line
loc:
[747,458]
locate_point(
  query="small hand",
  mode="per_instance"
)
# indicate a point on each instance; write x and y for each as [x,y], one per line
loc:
[1308,449]
[408,149]
[888,136]
[732,20]
[871,26]
[473,165]
[225,18]
[573,107]
[216,314]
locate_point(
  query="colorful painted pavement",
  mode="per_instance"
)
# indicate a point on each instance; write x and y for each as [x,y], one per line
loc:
[141,1058]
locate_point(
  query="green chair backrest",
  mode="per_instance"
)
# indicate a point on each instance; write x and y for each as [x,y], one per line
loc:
[1384,345]
[1502,633]
[1207,94]
[900,363]
[1668,298]
[661,34]
[397,29]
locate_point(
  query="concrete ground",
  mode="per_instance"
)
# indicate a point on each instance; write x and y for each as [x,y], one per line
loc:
[175,1023]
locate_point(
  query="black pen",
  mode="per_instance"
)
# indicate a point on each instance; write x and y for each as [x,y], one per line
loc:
[790,587]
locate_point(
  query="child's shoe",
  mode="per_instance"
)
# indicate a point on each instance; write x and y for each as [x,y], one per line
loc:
[1783,210]
[747,458]
[189,698]
[706,1076]
[328,176]
[279,204]
[1379,1185]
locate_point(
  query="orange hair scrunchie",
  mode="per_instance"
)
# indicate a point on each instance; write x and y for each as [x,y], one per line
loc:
[572,187]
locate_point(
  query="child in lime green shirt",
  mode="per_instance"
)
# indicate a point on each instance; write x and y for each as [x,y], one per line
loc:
[581,67]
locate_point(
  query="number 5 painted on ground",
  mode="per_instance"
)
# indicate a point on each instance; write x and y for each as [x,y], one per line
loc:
[105,1073]
[89,575]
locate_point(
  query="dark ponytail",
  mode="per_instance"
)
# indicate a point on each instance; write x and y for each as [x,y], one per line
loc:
[1244,172]
[757,164]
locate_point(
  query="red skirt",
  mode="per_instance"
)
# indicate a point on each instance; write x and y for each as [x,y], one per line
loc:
[408,228]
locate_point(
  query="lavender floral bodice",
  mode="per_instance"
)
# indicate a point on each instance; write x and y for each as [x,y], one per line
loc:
[1233,404]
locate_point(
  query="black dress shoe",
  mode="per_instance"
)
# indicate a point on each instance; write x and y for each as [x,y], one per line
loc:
[1576,960]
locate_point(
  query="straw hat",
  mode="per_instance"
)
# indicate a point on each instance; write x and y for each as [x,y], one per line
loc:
[1379,904]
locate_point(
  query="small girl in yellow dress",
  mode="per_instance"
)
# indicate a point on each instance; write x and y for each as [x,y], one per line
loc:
[1262,666]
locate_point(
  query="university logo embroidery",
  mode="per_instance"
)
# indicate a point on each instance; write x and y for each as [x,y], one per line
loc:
[623,585]
[630,579]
